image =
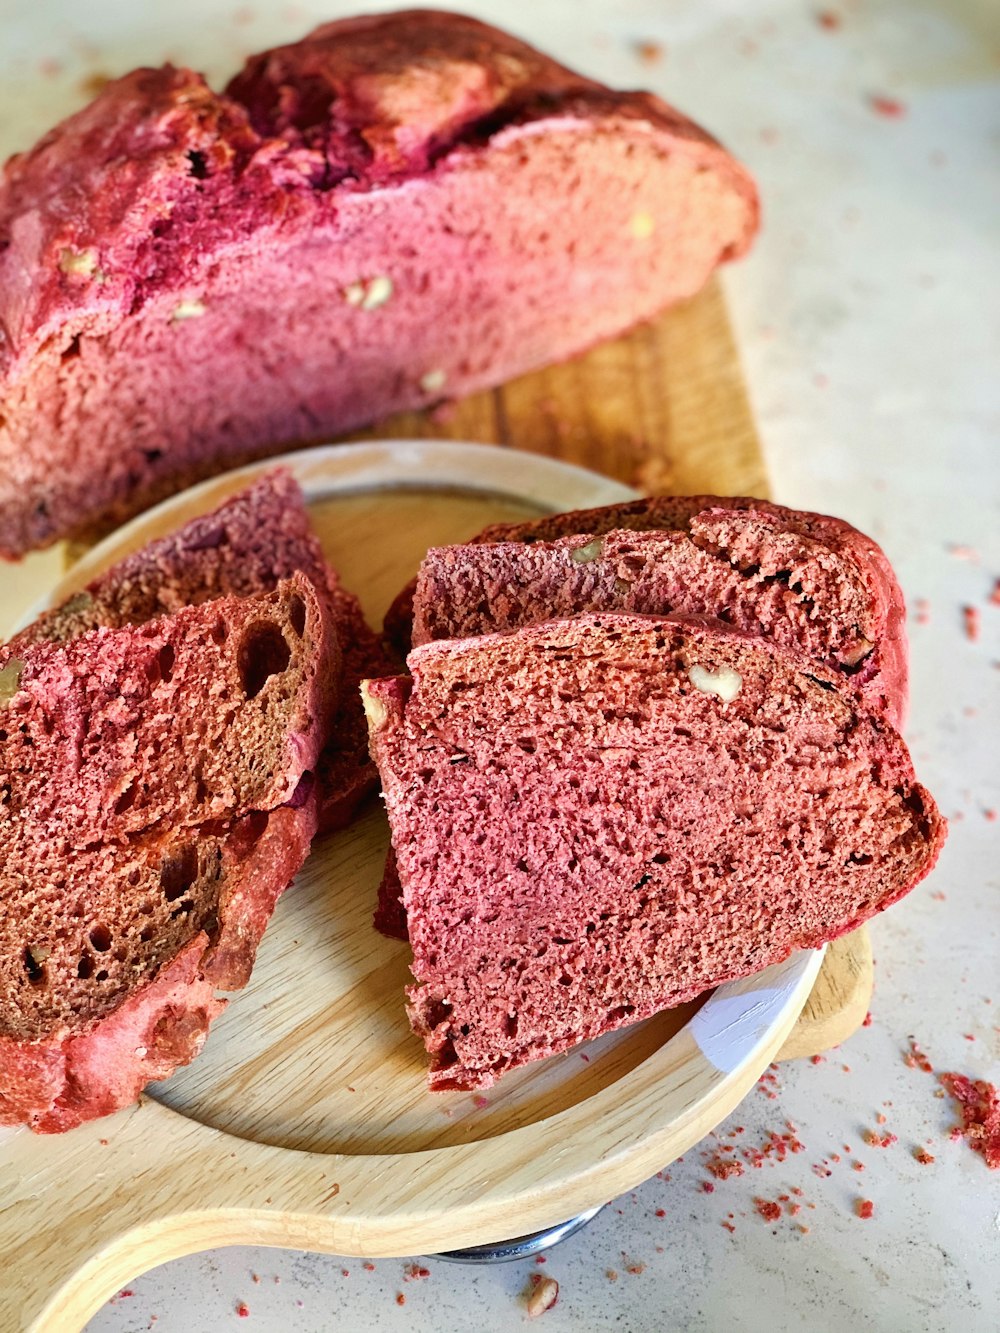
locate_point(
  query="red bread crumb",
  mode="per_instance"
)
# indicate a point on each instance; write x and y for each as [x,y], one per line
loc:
[866,1022]
[980,1106]
[864,1208]
[723,1168]
[368,1266]
[889,107]
[970,618]
[661,1212]
[242,1309]
[995,594]
[923,611]
[611,1275]
[876,1140]
[415,1272]
[923,1156]
[400,1298]
[916,1059]
[829,21]
[769,1211]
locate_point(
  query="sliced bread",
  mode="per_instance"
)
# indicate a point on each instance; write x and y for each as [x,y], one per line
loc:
[246,546]
[156,796]
[601,817]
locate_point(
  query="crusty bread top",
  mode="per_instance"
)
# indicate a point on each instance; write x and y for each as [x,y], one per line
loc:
[159,171]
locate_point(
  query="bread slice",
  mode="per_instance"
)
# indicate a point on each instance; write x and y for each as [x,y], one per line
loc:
[806,580]
[246,546]
[601,817]
[156,796]
[396,208]
[740,567]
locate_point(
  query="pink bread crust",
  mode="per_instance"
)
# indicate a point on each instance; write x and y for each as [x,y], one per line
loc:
[57,1084]
[425,726]
[142,231]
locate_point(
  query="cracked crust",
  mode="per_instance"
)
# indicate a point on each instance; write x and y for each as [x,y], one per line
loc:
[178,232]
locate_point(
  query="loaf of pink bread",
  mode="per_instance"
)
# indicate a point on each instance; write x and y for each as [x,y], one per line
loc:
[599,817]
[396,208]
[246,546]
[156,797]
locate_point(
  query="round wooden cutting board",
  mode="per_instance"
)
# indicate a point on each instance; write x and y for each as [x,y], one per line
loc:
[306,1121]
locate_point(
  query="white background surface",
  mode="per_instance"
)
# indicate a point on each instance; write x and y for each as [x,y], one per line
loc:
[869,320]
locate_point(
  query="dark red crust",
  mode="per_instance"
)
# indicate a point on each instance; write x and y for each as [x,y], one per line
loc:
[133,196]
[390,912]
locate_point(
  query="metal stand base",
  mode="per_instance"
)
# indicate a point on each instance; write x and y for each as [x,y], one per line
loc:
[521,1247]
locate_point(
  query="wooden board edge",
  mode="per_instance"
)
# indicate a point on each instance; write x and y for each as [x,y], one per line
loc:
[839,1000]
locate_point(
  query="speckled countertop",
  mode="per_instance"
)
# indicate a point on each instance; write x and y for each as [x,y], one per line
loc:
[869,323]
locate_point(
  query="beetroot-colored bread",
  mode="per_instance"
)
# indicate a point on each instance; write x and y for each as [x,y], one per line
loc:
[806,580]
[396,208]
[246,546]
[734,557]
[601,817]
[156,797]
[811,583]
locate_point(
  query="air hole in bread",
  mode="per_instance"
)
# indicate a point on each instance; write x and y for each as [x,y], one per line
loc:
[101,976]
[71,350]
[219,632]
[264,652]
[198,164]
[100,938]
[297,614]
[165,658]
[125,802]
[33,967]
[178,872]
[85,967]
